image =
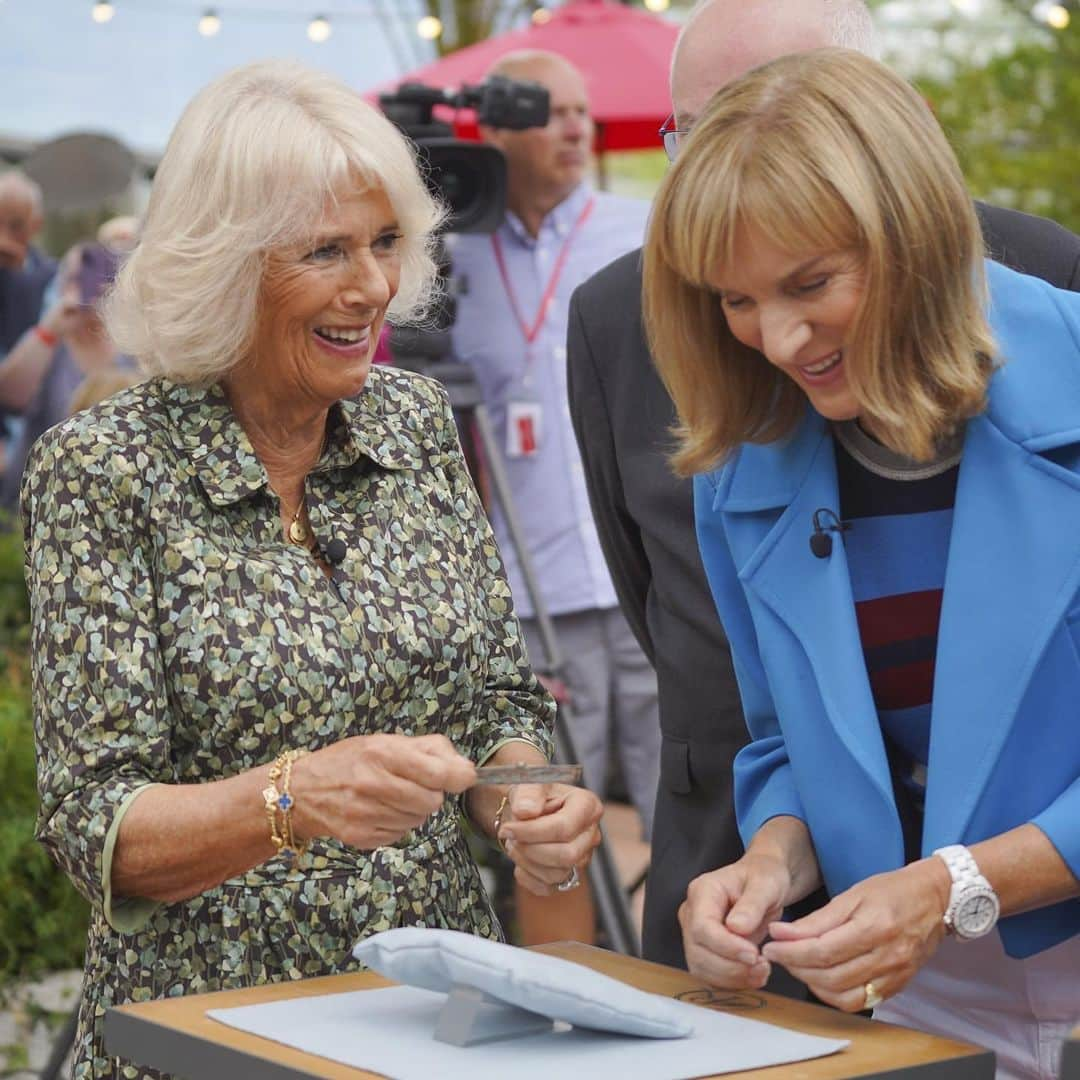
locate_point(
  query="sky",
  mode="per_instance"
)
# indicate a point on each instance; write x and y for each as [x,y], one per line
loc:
[61,72]
[131,77]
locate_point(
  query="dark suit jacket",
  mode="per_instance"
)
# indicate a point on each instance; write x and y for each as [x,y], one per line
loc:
[622,416]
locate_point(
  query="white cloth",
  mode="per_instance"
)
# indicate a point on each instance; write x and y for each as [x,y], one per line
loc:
[973,992]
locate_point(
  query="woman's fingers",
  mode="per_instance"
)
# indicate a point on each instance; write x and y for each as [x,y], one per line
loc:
[713,953]
[878,933]
[538,886]
[551,813]
[428,760]
[557,833]
[369,791]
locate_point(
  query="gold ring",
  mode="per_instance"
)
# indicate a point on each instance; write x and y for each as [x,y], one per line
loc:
[572,882]
[873,996]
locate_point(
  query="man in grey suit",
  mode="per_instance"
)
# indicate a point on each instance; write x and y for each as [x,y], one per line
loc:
[622,417]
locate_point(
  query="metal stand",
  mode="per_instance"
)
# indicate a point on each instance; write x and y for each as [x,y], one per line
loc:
[470,1017]
[613,910]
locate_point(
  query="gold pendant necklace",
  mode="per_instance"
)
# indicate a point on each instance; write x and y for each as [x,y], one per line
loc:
[298,531]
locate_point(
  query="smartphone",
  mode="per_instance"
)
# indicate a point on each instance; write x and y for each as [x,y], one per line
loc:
[97,271]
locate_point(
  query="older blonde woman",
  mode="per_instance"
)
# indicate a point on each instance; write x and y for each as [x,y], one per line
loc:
[887,493]
[272,636]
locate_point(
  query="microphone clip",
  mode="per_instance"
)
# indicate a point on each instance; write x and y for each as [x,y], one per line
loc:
[826,522]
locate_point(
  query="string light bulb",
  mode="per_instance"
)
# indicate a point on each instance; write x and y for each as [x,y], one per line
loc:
[1057,16]
[429,27]
[209,23]
[318,30]
[541,16]
[102,11]
[657,6]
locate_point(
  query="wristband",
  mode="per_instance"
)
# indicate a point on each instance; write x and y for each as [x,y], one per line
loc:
[46,337]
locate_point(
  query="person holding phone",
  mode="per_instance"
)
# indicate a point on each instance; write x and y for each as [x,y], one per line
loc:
[40,375]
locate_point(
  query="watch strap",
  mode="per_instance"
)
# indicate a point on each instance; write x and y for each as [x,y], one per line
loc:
[965,874]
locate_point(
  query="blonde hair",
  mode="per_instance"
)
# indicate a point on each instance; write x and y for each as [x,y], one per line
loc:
[251,166]
[820,151]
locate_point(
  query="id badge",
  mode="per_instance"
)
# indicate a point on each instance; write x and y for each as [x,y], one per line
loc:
[523,433]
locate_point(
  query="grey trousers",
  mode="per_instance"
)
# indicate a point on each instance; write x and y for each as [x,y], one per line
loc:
[612,690]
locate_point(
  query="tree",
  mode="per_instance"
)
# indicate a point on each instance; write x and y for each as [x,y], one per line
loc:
[466,22]
[1006,88]
[1015,125]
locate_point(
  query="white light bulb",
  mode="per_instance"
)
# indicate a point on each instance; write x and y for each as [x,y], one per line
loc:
[658,5]
[209,24]
[102,11]
[319,29]
[429,27]
[1057,17]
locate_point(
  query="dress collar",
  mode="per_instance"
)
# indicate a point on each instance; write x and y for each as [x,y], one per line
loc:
[371,425]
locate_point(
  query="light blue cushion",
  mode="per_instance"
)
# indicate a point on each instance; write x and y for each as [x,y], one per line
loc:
[443,959]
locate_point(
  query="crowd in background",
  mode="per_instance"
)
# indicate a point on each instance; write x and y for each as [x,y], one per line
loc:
[806,378]
[55,354]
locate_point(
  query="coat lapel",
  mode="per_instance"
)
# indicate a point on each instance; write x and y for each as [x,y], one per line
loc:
[1014,571]
[812,596]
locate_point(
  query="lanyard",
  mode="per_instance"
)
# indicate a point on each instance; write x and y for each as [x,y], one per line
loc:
[528,331]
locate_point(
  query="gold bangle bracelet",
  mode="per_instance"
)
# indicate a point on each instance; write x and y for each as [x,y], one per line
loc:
[496,822]
[281,801]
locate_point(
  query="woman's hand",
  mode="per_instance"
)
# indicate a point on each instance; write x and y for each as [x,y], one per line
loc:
[549,831]
[370,790]
[726,915]
[881,930]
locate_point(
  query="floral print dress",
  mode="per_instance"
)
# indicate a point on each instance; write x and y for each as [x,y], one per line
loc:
[178,639]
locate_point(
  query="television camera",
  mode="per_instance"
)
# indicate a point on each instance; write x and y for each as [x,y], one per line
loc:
[469,178]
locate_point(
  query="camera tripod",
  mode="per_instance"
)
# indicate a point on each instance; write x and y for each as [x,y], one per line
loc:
[612,908]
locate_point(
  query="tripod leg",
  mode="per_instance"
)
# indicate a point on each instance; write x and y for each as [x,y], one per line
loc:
[61,1047]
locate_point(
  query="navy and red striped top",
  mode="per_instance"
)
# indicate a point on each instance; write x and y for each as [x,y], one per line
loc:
[900,516]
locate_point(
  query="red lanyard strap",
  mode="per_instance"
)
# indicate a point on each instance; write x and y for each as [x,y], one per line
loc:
[529,331]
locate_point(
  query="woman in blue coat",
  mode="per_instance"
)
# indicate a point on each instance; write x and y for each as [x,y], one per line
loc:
[885,436]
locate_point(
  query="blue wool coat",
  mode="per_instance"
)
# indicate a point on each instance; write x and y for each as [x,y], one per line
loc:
[1005,722]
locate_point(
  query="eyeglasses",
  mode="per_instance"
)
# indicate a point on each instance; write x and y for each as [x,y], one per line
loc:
[671,135]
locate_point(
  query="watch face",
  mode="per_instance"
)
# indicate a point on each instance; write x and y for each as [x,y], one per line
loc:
[976,914]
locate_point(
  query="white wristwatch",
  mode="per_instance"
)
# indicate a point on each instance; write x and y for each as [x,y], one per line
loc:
[973,905]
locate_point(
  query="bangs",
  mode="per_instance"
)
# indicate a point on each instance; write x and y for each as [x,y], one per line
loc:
[757,186]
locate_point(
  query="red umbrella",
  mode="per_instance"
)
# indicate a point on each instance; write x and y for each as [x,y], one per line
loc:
[623,53]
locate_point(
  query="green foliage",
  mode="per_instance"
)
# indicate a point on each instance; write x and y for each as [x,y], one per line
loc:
[14,608]
[42,918]
[1015,125]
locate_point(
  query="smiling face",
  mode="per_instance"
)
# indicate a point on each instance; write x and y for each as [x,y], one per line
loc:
[322,305]
[798,310]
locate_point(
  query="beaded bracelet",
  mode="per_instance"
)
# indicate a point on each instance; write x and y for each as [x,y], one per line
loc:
[282,801]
